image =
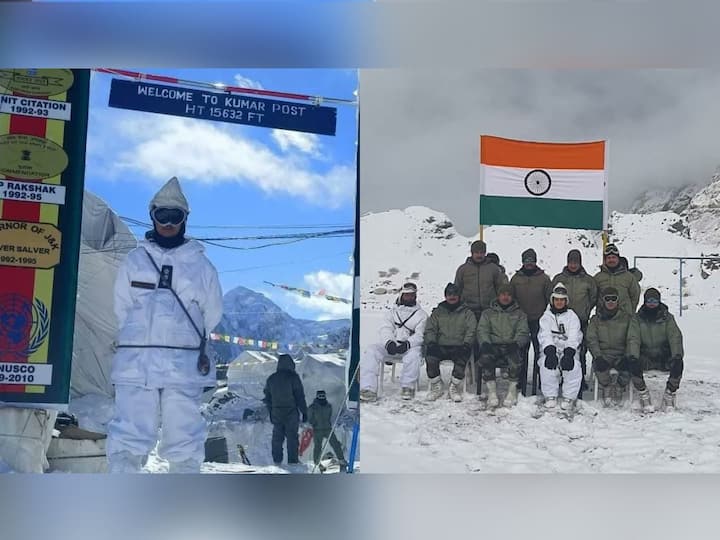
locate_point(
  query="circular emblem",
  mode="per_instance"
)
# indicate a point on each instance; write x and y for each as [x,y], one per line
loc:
[538,182]
[16,321]
[37,82]
[24,326]
[26,157]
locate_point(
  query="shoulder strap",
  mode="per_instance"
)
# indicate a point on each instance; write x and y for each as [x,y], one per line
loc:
[199,333]
[401,324]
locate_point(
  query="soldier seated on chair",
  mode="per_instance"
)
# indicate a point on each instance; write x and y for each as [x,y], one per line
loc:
[661,343]
[449,335]
[502,333]
[401,336]
[613,339]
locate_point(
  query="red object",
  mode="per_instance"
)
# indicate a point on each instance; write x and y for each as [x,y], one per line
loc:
[305,440]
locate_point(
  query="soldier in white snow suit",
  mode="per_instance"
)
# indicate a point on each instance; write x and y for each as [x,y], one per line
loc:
[157,370]
[400,335]
[560,338]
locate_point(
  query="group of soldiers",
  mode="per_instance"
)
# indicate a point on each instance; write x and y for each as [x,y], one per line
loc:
[494,321]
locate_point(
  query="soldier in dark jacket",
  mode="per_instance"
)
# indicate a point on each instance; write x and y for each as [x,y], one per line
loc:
[661,343]
[613,338]
[449,335]
[320,418]
[582,298]
[478,278]
[285,399]
[502,333]
[531,289]
[615,274]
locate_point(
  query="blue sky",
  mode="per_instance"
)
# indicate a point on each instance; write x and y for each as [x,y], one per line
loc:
[240,176]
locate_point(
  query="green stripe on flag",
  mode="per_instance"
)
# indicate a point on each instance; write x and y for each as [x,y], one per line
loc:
[541,212]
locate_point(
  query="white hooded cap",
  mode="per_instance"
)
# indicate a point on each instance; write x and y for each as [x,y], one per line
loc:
[170,196]
[560,291]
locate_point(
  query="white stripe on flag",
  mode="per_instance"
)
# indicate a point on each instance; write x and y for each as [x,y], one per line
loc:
[581,185]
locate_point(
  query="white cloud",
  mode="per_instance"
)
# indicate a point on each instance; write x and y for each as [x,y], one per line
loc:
[308,143]
[163,146]
[247,83]
[340,285]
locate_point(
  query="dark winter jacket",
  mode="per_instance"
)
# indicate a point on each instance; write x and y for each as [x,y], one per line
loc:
[478,283]
[450,327]
[499,326]
[613,336]
[626,284]
[320,416]
[284,392]
[659,335]
[532,292]
[582,292]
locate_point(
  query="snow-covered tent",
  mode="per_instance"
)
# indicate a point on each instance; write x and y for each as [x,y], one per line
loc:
[106,240]
[325,372]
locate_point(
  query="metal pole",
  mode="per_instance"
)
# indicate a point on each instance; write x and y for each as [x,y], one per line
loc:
[681,285]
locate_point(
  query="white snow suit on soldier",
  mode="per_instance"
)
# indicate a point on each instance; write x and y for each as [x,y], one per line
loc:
[561,330]
[155,371]
[402,323]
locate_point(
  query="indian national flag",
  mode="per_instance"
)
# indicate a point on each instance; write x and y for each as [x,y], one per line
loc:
[543,184]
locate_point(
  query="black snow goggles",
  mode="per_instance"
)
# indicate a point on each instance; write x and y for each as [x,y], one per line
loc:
[610,298]
[168,216]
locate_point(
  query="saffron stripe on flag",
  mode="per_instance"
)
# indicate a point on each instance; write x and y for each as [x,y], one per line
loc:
[541,212]
[540,155]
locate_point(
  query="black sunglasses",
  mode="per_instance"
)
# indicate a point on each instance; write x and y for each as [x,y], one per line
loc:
[610,298]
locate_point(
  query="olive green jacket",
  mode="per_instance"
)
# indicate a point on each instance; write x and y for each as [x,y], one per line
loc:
[661,336]
[446,327]
[499,326]
[615,336]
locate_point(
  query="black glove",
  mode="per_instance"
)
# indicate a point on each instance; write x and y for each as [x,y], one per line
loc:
[466,349]
[568,359]
[486,348]
[304,417]
[551,359]
[402,347]
[600,364]
[391,347]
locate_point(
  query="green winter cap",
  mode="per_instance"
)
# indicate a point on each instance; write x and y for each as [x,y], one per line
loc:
[504,288]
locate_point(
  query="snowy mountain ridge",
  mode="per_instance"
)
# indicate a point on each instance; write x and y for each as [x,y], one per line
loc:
[424,246]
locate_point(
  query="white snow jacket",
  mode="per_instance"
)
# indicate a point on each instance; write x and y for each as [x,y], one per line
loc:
[404,323]
[149,315]
[561,330]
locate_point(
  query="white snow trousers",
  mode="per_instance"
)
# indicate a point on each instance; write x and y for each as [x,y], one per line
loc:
[550,378]
[371,364]
[133,431]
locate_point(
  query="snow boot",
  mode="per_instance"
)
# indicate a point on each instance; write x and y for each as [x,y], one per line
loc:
[511,397]
[606,394]
[125,462]
[407,393]
[550,403]
[455,390]
[668,402]
[368,395]
[645,403]
[436,388]
[492,398]
[567,405]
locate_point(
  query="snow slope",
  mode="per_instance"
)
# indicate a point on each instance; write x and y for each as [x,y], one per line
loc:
[422,436]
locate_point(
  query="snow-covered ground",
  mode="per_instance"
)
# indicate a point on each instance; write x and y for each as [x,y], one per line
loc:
[421,436]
